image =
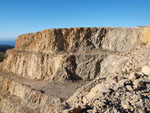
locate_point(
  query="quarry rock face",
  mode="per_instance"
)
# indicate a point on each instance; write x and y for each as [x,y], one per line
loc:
[81,39]
[77,70]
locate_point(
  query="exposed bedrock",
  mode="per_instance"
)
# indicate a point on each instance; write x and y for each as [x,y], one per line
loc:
[70,54]
[83,39]
[75,70]
[54,67]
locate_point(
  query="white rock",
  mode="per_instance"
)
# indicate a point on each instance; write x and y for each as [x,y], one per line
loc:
[129,88]
[146,70]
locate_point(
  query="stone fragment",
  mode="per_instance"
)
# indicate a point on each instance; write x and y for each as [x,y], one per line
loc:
[126,105]
[138,83]
[141,111]
[146,70]
[122,82]
[117,95]
[97,90]
[139,103]
[133,76]
[129,87]
[134,99]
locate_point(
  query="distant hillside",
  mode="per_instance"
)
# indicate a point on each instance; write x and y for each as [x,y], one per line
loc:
[3,49]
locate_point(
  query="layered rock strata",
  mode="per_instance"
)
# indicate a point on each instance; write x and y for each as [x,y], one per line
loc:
[108,60]
[44,55]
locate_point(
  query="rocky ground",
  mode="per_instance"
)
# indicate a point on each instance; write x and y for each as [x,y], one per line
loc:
[127,94]
[62,90]
[78,70]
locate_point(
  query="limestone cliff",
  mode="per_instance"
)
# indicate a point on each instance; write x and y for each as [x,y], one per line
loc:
[42,55]
[80,39]
[45,69]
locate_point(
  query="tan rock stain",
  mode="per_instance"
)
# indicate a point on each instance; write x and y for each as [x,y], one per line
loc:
[146,35]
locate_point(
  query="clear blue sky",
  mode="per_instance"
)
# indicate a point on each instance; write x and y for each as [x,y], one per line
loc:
[24,16]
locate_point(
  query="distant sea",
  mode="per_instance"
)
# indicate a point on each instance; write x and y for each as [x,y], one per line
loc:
[11,42]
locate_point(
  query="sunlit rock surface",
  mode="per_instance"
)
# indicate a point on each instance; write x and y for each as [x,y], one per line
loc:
[75,70]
